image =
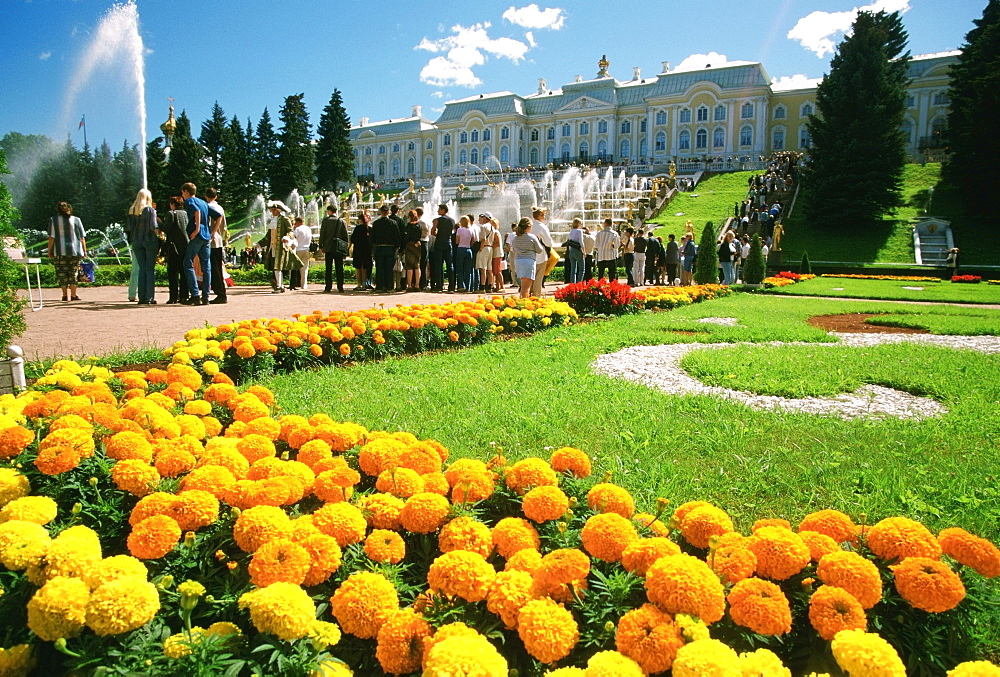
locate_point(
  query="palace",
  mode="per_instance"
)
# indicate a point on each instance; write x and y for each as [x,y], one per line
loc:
[732,111]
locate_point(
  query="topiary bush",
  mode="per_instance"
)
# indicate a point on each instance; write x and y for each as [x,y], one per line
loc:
[754,270]
[805,268]
[706,264]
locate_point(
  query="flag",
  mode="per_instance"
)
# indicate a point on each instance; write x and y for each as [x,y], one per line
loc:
[83,123]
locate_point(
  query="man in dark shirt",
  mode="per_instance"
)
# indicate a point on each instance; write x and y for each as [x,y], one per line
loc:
[332,230]
[385,242]
[673,259]
[443,230]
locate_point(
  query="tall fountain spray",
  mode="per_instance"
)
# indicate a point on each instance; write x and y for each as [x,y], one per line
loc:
[117,41]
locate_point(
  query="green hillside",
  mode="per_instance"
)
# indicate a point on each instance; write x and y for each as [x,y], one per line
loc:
[712,200]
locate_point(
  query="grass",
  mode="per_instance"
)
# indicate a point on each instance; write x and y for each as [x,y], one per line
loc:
[893,290]
[712,201]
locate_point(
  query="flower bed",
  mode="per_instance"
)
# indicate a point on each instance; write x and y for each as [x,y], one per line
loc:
[966,279]
[900,278]
[254,348]
[162,523]
[674,297]
[785,278]
[601,297]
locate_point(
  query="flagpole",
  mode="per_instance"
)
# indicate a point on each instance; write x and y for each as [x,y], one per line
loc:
[83,123]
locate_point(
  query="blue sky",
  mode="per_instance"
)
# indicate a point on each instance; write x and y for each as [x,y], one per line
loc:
[387,56]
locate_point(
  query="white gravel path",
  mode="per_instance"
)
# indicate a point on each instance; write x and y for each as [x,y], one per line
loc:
[659,367]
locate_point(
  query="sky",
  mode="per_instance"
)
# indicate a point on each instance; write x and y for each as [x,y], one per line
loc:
[61,60]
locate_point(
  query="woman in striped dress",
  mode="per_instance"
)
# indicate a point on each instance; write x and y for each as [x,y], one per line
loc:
[67,245]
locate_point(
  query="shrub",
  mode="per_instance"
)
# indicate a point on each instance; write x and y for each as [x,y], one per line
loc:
[706,264]
[967,279]
[805,267]
[754,268]
[600,297]
[11,306]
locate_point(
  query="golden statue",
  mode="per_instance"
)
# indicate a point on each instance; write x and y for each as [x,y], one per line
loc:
[357,189]
[673,169]
[689,229]
[411,186]
[776,239]
[631,206]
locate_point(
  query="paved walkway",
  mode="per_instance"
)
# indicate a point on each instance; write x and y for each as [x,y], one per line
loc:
[104,321]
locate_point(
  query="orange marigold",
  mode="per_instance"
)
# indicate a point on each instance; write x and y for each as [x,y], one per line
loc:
[605,497]
[154,537]
[14,440]
[279,560]
[896,538]
[818,544]
[780,553]
[381,510]
[509,591]
[832,609]
[423,513]
[258,525]
[556,571]
[529,473]
[548,630]
[770,522]
[363,602]
[761,606]
[380,455]
[703,522]
[512,534]
[543,504]
[649,637]
[570,460]
[436,483]
[400,645]
[324,555]
[733,562]
[528,561]
[971,550]
[385,547]
[640,555]
[255,447]
[606,535]
[134,476]
[461,573]
[645,522]
[330,484]
[343,521]
[57,459]
[465,533]
[853,573]
[928,584]
[832,523]
[682,584]
[401,482]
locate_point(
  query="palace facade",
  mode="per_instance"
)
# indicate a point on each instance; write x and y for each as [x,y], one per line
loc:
[730,111]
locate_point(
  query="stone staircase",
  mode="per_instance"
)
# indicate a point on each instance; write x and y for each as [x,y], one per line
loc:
[932,239]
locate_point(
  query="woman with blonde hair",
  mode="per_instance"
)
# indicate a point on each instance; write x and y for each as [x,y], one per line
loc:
[143,238]
[524,250]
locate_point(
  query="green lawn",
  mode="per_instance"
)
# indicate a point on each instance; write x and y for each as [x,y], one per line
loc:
[893,290]
[712,200]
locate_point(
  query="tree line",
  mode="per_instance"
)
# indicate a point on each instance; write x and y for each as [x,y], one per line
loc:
[240,160]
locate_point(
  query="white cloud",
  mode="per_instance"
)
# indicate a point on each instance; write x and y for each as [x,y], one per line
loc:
[797,81]
[533,17]
[530,37]
[437,95]
[466,48]
[818,31]
[44,56]
[698,61]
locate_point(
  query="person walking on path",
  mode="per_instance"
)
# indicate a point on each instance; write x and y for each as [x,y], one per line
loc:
[142,232]
[281,245]
[67,246]
[303,241]
[333,240]
[574,252]
[361,240]
[541,231]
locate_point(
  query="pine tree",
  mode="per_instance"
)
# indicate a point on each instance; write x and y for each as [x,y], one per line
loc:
[58,178]
[975,114]
[706,269]
[213,141]
[858,148]
[184,164]
[127,179]
[805,267]
[754,270]
[237,185]
[334,155]
[156,175]
[293,167]
[265,151]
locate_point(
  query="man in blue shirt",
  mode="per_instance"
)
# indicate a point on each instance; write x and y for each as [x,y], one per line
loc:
[199,234]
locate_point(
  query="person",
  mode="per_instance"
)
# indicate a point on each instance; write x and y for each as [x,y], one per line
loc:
[362,254]
[638,259]
[441,254]
[411,251]
[385,242]
[280,244]
[673,258]
[333,241]
[744,255]
[67,246]
[608,243]
[219,240]
[951,262]
[574,252]
[524,250]
[688,253]
[496,265]
[303,239]
[654,259]
[541,231]
[511,273]
[425,236]
[141,227]
[463,254]
[589,248]
[198,239]
[628,254]
[174,228]
[484,256]
[727,252]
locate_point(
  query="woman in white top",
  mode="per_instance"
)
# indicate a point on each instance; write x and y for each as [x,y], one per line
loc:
[524,250]
[484,257]
[303,238]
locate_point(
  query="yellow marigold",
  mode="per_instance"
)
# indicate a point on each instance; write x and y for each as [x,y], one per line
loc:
[255,447]
[59,608]
[543,504]
[213,479]
[401,482]
[114,567]
[174,462]
[282,609]
[363,602]
[279,560]
[198,407]
[385,547]
[606,535]
[471,486]
[22,543]
[260,524]
[612,664]
[896,538]
[685,584]
[610,498]
[702,523]
[183,643]
[928,584]
[122,605]
[37,509]
[465,533]
[324,557]
[420,457]
[771,522]
[423,513]
[761,606]
[548,630]
[640,555]
[975,669]
[400,642]
[12,485]
[343,521]
[860,653]
[763,663]
[832,523]
[464,657]
[818,544]
[17,661]
[969,550]
[154,537]
[569,671]
[446,631]
[134,476]
[14,440]
[527,561]
[461,573]
[649,637]
[248,408]
[733,563]
[512,534]
[570,460]
[72,552]
[380,455]
[832,609]
[529,473]
[780,553]
[509,591]
[230,459]
[382,511]
[853,573]
[71,421]
[706,657]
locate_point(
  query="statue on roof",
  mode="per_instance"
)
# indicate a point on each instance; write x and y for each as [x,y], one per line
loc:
[603,65]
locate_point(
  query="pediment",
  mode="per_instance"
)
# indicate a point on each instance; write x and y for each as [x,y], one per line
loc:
[585,103]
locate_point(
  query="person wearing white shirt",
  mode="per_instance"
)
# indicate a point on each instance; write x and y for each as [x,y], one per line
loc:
[589,247]
[574,253]
[608,244]
[541,231]
[303,238]
[425,235]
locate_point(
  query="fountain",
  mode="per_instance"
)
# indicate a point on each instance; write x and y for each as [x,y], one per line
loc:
[117,39]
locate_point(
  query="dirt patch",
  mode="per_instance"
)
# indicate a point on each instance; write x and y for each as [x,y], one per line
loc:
[143,366]
[857,323]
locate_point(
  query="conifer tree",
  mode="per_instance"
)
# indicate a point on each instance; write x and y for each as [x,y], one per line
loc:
[334,155]
[858,149]
[265,152]
[156,175]
[706,270]
[754,270]
[213,141]
[184,163]
[294,162]
[237,185]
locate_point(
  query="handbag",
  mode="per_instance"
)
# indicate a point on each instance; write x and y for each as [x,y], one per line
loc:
[313,247]
[552,261]
[340,247]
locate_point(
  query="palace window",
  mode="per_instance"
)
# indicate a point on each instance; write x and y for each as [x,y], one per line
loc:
[626,127]
[381,168]
[685,115]
[504,155]
[643,148]
[660,144]
[410,166]
[429,145]
[550,154]
[625,150]
[746,112]
[779,112]
[941,99]
[368,168]
[584,128]
[474,156]
[720,112]
[907,129]
[566,130]
[447,140]
[584,150]
[409,146]
[463,137]
[475,136]
[778,139]
[381,150]
[661,117]
[395,167]
[463,157]
[719,138]
[446,159]
[602,148]
[534,135]
[565,151]
[395,148]
[368,151]
[806,110]
[487,135]
[684,140]
[486,154]
[703,114]
[550,134]
[805,139]
[504,133]
[746,135]
[642,125]
[701,139]
[602,126]
[428,165]
[533,156]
